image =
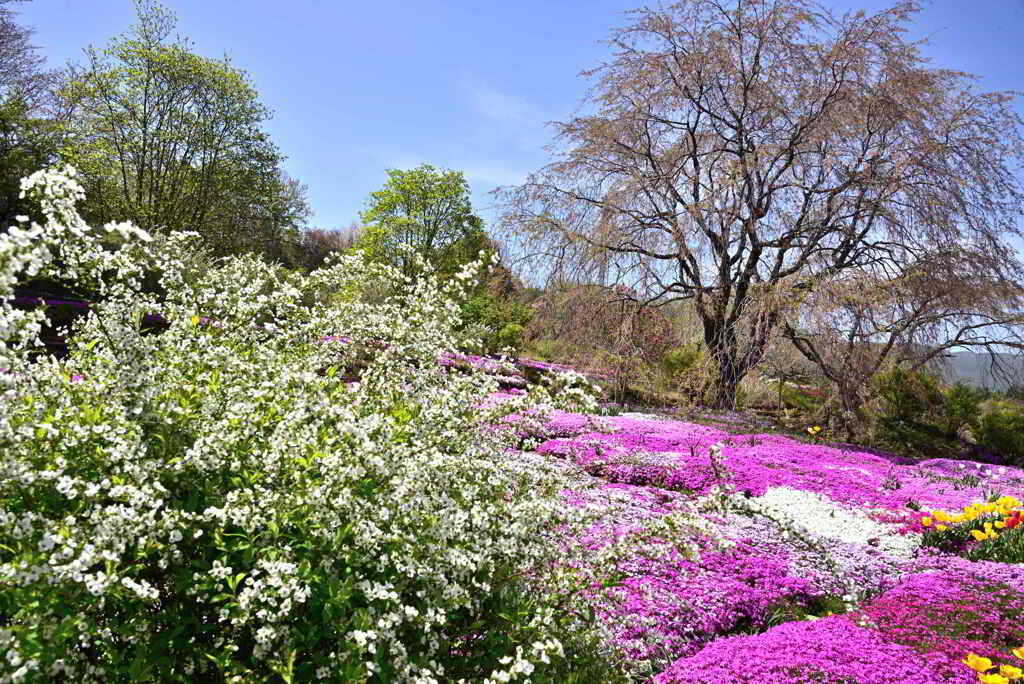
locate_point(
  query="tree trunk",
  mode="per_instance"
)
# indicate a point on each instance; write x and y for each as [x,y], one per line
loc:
[730,365]
[724,389]
[851,418]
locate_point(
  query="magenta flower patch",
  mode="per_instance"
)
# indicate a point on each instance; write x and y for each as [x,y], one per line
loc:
[791,600]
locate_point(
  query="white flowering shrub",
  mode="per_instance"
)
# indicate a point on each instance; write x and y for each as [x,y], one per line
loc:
[223,501]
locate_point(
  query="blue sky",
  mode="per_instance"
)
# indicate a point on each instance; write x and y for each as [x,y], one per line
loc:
[359,87]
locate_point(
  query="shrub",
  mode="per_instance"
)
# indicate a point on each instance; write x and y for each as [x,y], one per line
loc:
[547,349]
[503,320]
[510,336]
[962,407]
[909,414]
[214,503]
[686,368]
[1001,429]
[908,396]
[679,360]
[808,402]
[756,391]
[1015,391]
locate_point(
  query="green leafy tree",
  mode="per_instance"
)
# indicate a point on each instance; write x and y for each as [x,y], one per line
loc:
[1001,429]
[28,139]
[174,141]
[424,211]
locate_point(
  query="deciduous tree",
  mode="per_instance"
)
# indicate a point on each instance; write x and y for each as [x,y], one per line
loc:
[29,138]
[856,323]
[172,140]
[729,149]
[424,211]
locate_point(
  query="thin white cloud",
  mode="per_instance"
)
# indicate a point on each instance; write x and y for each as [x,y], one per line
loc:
[509,117]
[505,107]
[483,176]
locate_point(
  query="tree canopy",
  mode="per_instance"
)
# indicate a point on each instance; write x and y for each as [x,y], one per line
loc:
[29,140]
[735,153]
[424,211]
[174,141]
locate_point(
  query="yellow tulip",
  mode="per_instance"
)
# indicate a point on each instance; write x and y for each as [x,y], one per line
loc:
[977,663]
[1011,672]
[1019,652]
[941,528]
[992,679]
[926,522]
[979,535]
[999,524]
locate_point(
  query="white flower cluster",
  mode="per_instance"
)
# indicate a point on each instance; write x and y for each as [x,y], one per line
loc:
[218,496]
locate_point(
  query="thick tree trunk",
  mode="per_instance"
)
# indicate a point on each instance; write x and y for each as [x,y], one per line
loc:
[851,416]
[732,362]
[727,373]
[724,389]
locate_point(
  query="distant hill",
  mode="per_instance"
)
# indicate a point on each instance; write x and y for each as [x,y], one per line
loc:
[976,369]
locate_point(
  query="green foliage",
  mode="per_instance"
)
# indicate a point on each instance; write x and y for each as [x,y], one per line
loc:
[962,408]
[503,320]
[908,396]
[27,142]
[171,140]
[29,136]
[1014,391]
[910,414]
[684,368]
[1001,429]
[914,416]
[424,212]
[585,660]
[549,349]
[511,336]
[795,397]
[679,360]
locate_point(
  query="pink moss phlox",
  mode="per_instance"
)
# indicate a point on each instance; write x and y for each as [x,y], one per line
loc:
[669,603]
[950,614]
[483,363]
[662,605]
[674,454]
[917,631]
[833,649]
